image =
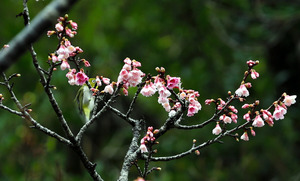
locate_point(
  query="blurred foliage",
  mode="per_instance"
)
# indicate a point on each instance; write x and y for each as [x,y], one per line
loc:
[205,42]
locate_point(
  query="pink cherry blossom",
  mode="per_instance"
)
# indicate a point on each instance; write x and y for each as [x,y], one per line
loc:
[252,132]
[267,117]
[81,78]
[279,112]
[208,101]
[173,82]
[251,63]
[245,106]
[245,136]
[106,80]
[254,74]
[54,58]
[233,109]
[98,81]
[59,27]
[74,25]
[71,76]
[217,130]
[148,90]
[64,65]
[143,148]
[247,117]
[234,118]
[136,63]
[258,122]
[135,77]
[242,91]
[289,100]
[109,89]
[86,63]
[227,119]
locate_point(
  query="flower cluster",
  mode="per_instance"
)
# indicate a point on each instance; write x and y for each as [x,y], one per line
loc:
[253,117]
[130,75]
[149,138]
[66,52]
[163,85]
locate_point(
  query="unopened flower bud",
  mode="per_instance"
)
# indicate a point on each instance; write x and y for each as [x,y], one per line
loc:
[197,152]
[156,142]
[229,93]
[155,131]
[256,62]
[154,151]
[54,69]
[241,99]
[29,110]
[54,88]
[162,69]
[194,141]
[237,137]
[158,168]
[1,96]
[18,75]
[257,102]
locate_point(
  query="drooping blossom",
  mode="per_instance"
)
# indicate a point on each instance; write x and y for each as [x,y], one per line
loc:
[234,118]
[245,136]
[233,109]
[279,112]
[267,117]
[247,116]
[258,122]
[252,131]
[289,100]
[109,89]
[59,27]
[225,119]
[64,65]
[173,82]
[242,91]
[71,75]
[74,25]
[98,81]
[221,104]
[148,90]
[81,77]
[217,130]
[254,74]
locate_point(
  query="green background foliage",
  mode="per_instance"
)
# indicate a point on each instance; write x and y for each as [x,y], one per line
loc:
[206,43]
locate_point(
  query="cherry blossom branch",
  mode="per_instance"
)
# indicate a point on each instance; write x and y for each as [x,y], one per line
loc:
[201,125]
[19,44]
[44,82]
[74,144]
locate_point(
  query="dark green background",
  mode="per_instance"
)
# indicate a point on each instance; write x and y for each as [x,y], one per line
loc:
[206,43]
